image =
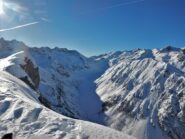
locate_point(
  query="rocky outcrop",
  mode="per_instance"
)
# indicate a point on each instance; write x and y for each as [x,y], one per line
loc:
[8,136]
[32,71]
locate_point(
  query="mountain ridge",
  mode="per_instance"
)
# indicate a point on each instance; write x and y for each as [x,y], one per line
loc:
[138,92]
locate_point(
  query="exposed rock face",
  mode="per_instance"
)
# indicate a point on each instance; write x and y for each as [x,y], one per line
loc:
[8,136]
[32,71]
[27,81]
[171,113]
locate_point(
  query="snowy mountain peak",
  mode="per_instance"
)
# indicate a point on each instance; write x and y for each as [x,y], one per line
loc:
[170,48]
[138,92]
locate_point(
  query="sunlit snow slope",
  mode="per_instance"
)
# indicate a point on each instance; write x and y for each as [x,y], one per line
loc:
[145,90]
[23,115]
[138,92]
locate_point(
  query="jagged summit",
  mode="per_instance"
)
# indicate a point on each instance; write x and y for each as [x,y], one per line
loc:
[170,48]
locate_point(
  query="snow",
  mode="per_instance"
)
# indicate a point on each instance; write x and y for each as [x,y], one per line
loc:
[138,92]
[23,115]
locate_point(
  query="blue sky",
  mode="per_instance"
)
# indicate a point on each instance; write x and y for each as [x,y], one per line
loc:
[96,26]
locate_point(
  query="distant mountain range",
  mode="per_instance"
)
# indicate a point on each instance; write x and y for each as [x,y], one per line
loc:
[138,94]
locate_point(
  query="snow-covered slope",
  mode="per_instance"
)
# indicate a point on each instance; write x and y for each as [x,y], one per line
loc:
[139,92]
[67,82]
[23,115]
[145,90]
[66,78]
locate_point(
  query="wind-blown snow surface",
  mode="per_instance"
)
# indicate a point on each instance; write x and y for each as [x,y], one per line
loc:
[23,115]
[139,92]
